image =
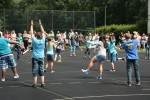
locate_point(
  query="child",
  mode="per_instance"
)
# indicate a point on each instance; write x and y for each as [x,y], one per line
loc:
[100,57]
[130,47]
[50,46]
[113,53]
[88,47]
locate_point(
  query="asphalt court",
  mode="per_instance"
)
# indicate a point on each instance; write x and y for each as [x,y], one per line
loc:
[69,83]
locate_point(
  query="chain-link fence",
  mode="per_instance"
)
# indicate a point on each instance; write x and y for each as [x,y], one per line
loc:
[19,20]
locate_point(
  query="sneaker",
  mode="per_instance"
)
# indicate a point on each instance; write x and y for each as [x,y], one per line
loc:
[34,85]
[52,71]
[99,77]
[138,84]
[3,79]
[16,76]
[42,85]
[146,58]
[59,61]
[113,70]
[86,71]
[124,59]
[129,84]
[45,70]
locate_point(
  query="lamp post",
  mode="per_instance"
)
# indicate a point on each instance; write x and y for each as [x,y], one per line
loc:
[148,23]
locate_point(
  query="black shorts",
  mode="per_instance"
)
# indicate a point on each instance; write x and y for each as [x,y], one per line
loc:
[50,57]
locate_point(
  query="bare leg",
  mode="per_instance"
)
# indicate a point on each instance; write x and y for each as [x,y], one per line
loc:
[14,71]
[92,61]
[42,80]
[46,65]
[3,73]
[100,68]
[35,80]
[113,66]
[52,65]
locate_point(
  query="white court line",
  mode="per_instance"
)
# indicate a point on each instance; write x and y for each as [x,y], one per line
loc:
[74,82]
[103,96]
[55,83]
[1,87]
[93,82]
[14,86]
[146,89]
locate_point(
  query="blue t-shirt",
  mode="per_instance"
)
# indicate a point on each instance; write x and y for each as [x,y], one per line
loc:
[4,48]
[130,47]
[88,45]
[38,47]
[111,47]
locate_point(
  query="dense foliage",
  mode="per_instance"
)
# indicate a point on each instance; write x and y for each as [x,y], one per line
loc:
[117,11]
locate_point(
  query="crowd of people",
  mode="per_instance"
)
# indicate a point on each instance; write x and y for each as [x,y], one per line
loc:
[50,45]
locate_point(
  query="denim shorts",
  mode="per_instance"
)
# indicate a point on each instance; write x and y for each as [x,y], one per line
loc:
[7,61]
[38,66]
[113,57]
[100,58]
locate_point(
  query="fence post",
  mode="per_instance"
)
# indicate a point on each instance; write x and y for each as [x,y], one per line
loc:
[52,20]
[73,21]
[148,23]
[4,20]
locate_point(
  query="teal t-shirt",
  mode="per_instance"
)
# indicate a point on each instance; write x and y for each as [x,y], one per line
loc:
[111,47]
[50,49]
[4,48]
[38,47]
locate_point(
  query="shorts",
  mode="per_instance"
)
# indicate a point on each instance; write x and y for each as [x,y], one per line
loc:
[100,58]
[37,67]
[50,57]
[58,51]
[7,61]
[113,57]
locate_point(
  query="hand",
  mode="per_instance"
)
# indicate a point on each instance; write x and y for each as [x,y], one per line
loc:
[31,22]
[40,22]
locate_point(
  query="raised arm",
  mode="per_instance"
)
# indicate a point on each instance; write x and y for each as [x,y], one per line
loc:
[42,29]
[31,28]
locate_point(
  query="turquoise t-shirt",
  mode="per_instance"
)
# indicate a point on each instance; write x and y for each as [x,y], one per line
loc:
[19,39]
[38,47]
[50,49]
[4,48]
[111,47]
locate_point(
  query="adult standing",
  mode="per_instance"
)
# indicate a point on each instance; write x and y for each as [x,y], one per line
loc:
[7,59]
[38,54]
[25,39]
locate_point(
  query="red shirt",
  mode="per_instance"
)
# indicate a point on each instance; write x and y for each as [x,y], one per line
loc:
[7,36]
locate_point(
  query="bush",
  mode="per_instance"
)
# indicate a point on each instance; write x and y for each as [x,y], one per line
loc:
[116,28]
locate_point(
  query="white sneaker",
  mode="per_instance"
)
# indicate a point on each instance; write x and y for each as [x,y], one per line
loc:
[52,71]
[59,61]
[3,79]
[16,76]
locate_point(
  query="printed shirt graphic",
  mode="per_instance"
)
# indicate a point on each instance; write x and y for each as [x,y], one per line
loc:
[38,47]
[130,47]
